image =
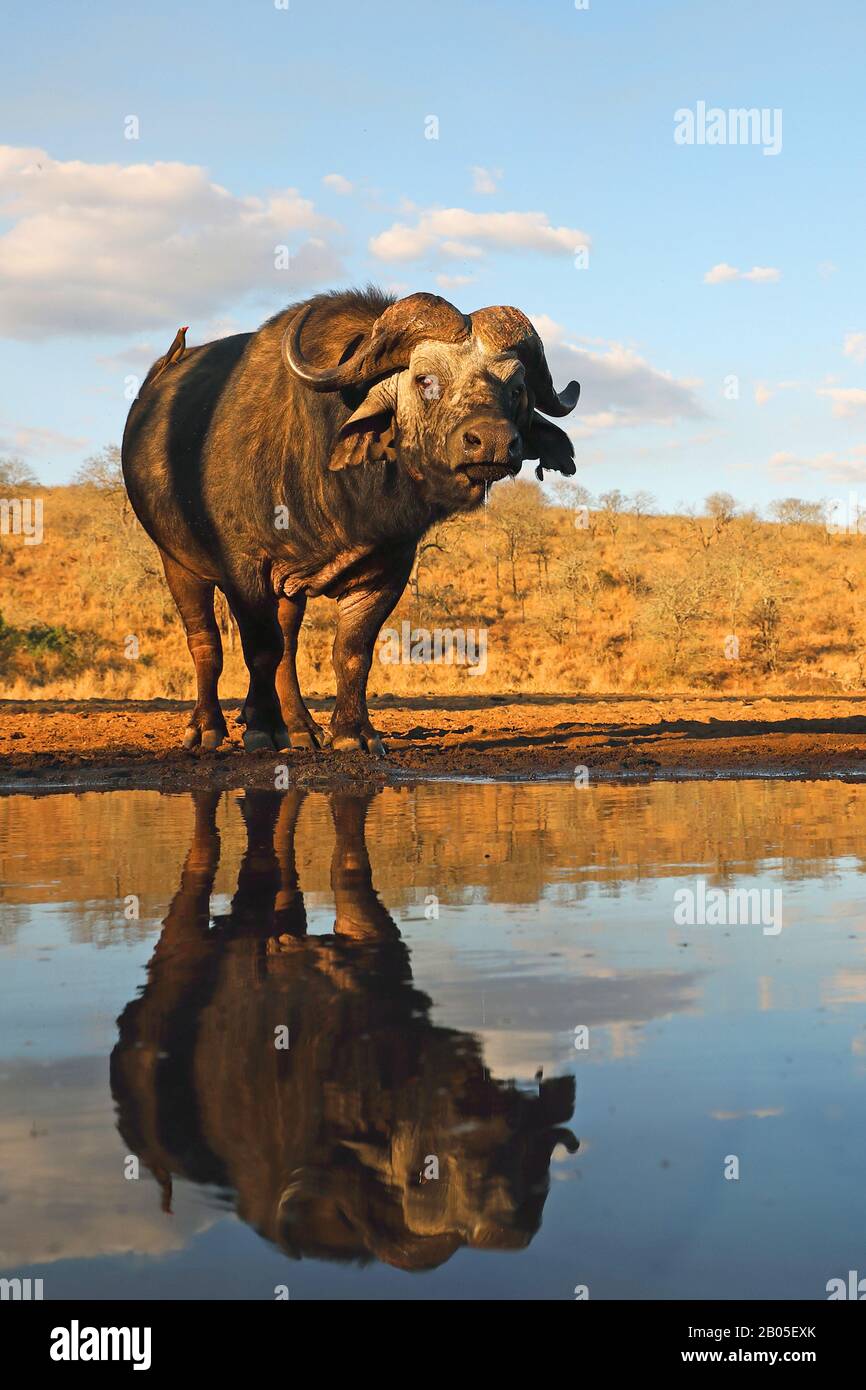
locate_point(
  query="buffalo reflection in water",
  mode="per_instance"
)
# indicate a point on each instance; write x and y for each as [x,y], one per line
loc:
[323,1145]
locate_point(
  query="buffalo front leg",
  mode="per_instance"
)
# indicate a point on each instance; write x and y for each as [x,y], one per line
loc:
[304,732]
[361,613]
[194,600]
[262,642]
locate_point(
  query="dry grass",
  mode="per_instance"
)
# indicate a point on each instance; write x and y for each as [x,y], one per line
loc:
[597,601]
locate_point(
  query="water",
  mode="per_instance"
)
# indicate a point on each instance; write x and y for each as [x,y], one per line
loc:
[154,1043]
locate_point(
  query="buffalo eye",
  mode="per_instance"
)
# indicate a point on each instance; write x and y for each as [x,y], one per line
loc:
[428,385]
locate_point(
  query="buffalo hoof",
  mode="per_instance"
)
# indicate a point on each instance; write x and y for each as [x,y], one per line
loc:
[257,741]
[207,739]
[302,738]
[312,737]
[346,743]
[359,743]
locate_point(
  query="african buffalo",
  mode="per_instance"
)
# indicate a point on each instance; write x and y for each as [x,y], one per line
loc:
[309,458]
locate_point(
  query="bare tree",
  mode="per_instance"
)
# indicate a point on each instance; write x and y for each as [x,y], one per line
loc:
[16,475]
[571,494]
[678,604]
[642,504]
[101,470]
[556,620]
[793,511]
[707,529]
[423,556]
[517,514]
[612,505]
[720,506]
[580,575]
[766,619]
[766,614]
[632,571]
[734,569]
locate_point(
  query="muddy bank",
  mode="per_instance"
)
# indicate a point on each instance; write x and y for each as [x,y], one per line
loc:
[48,744]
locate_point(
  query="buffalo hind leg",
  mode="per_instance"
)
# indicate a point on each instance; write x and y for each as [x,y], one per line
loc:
[304,732]
[360,615]
[262,642]
[194,600]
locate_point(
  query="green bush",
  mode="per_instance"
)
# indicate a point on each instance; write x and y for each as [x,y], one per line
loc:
[26,648]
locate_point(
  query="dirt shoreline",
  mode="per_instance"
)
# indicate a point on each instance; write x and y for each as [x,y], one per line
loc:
[52,745]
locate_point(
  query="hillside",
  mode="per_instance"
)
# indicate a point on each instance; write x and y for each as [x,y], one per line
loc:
[580,596]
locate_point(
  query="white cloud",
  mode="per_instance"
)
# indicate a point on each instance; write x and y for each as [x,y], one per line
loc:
[338,184]
[452,282]
[551,332]
[791,467]
[720,273]
[458,232]
[618,387]
[485,180]
[461,250]
[32,441]
[105,248]
[847,400]
[761,274]
[855,346]
[764,393]
[139,357]
[220,326]
[692,442]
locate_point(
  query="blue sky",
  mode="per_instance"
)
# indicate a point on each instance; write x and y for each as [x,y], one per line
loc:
[555,130]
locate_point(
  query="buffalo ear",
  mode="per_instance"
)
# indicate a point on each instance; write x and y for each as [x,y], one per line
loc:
[370,433]
[550,445]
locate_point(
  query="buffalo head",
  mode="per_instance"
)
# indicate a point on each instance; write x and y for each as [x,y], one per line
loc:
[455,397]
